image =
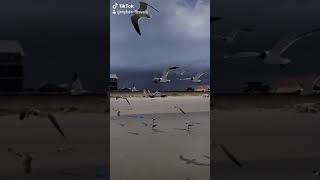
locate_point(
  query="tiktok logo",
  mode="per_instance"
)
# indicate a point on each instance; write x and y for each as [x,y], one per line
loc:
[114,7]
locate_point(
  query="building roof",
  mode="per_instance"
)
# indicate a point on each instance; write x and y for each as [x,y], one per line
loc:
[113,76]
[8,46]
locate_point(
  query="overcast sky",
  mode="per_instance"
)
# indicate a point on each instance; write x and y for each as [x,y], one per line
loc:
[273,20]
[177,36]
[59,38]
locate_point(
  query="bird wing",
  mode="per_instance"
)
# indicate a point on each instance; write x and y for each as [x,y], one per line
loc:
[201,164]
[166,72]
[283,45]
[182,110]
[242,55]
[143,6]
[185,79]
[230,155]
[127,101]
[135,22]
[199,75]
[56,124]
[184,159]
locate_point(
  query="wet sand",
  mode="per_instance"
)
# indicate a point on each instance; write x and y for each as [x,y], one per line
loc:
[139,153]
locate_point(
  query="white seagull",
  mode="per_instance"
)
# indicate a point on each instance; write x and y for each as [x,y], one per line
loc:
[195,79]
[141,12]
[274,56]
[164,78]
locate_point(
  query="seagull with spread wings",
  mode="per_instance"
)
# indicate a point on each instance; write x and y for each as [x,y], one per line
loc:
[164,78]
[195,79]
[141,12]
[274,56]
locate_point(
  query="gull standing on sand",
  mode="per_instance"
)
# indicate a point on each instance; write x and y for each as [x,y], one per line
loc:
[164,78]
[273,56]
[141,12]
[195,79]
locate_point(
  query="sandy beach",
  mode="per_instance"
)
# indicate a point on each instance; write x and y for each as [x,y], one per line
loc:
[140,153]
[273,142]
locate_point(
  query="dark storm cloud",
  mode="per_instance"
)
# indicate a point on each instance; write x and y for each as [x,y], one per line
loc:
[273,20]
[59,38]
[177,36]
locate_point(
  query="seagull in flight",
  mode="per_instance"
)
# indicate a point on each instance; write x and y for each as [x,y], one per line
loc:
[141,12]
[164,78]
[274,56]
[230,38]
[195,79]
[36,112]
[121,97]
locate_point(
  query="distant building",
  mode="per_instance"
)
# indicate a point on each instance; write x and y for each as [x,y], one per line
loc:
[113,84]
[11,66]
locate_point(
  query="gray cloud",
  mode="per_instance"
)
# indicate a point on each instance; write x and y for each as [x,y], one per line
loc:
[178,35]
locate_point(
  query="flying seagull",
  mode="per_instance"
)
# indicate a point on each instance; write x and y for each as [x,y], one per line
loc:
[273,56]
[195,79]
[230,38]
[164,78]
[141,12]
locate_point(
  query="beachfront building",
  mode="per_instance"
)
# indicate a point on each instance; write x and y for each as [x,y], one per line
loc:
[11,66]
[113,84]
